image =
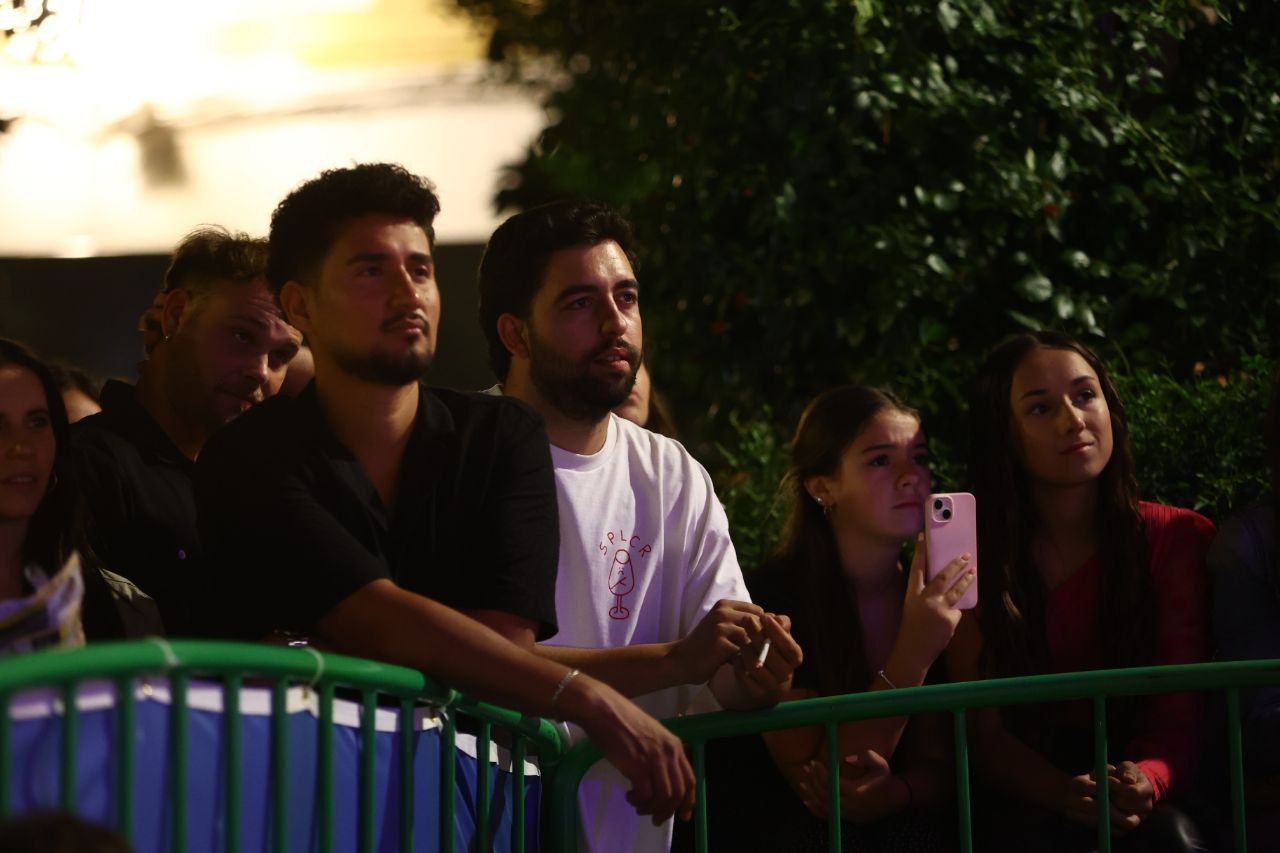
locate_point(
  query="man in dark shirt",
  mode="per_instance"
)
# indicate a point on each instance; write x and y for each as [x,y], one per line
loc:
[472,523]
[225,346]
[370,510]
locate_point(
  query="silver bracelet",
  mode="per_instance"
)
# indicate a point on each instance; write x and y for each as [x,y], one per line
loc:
[881,674]
[564,682]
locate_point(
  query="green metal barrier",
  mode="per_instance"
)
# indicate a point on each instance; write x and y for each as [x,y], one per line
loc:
[560,815]
[232,664]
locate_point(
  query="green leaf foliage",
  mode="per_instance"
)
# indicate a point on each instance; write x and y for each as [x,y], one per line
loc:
[830,191]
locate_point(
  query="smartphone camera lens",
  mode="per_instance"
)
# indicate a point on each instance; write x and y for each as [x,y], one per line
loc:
[946,514]
[937,504]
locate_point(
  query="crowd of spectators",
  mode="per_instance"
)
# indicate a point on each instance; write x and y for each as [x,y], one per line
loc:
[281,472]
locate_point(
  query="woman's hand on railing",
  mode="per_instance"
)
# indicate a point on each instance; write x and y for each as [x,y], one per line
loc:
[869,790]
[642,749]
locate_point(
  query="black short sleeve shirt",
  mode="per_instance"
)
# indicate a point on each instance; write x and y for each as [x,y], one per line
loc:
[293,526]
[136,487]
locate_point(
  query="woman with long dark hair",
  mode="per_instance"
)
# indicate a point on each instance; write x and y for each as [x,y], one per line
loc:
[52,591]
[1245,565]
[857,485]
[1078,574]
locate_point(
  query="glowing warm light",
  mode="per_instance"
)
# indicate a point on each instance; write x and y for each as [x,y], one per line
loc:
[134,120]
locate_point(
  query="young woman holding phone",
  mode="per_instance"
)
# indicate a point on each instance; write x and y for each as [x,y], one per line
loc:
[1078,574]
[857,486]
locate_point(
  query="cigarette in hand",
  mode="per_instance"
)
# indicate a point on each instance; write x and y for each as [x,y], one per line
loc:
[764,652]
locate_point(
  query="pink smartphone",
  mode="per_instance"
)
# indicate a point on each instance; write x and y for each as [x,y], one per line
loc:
[951,529]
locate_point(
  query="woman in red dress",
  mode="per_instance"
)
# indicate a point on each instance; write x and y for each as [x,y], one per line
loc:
[1078,574]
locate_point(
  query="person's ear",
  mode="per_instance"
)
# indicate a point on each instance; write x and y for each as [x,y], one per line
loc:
[514,334]
[296,303]
[172,311]
[818,488]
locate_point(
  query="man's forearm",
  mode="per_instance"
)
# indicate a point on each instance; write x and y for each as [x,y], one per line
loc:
[384,622]
[631,670]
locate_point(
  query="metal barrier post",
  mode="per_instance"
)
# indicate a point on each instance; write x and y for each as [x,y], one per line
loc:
[1102,789]
[70,745]
[178,788]
[326,768]
[963,806]
[448,783]
[483,790]
[368,767]
[833,787]
[234,763]
[126,707]
[406,774]
[1235,757]
[517,793]
[280,765]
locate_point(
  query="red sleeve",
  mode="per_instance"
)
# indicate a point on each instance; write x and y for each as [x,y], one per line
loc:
[1166,747]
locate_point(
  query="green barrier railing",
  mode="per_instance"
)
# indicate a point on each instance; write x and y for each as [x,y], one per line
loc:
[233,664]
[560,815]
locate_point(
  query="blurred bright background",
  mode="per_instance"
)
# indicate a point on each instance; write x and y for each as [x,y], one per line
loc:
[127,122]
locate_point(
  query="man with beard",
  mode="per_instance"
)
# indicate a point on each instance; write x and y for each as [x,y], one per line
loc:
[391,520]
[224,346]
[649,592]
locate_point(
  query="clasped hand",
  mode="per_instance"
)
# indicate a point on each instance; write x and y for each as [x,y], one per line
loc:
[1132,797]
[868,788]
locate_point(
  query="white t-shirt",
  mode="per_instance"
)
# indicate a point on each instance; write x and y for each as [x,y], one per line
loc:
[644,555]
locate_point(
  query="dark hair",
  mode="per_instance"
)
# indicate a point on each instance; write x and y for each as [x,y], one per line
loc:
[56,529]
[1012,594]
[807,552]
[305,224]
[69,377]
[512,268]
[660,420]
[210,254]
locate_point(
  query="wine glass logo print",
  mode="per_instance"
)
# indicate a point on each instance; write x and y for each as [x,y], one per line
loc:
[622,576]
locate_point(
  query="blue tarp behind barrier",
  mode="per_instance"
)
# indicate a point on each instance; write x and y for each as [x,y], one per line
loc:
[37,736]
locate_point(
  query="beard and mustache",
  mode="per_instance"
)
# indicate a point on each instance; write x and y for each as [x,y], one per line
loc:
[386,368]
[572,388]
[569,385]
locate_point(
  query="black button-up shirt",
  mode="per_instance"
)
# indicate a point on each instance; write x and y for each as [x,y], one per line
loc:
[137,492]
[294,526]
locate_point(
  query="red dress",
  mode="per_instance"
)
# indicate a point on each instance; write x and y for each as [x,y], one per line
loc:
[1167,744]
